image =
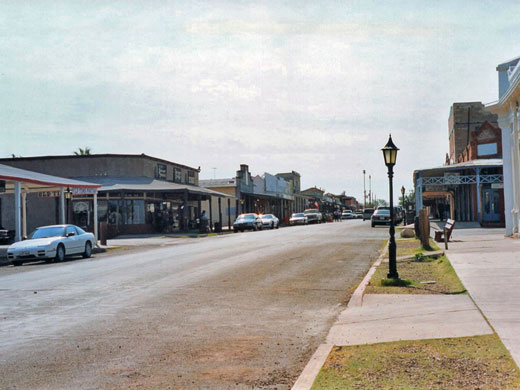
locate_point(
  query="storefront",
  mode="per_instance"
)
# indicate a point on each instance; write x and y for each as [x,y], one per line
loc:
[143,206]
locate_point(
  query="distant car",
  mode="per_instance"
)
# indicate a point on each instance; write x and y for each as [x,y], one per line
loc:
[347,214]
[270,221]
[298,219]
[358,214]
[313,215]
[52,243]
[247,222]
[398,213]
[367,213]
[381,217]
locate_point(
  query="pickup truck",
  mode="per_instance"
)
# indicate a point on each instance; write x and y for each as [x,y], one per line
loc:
[313,215]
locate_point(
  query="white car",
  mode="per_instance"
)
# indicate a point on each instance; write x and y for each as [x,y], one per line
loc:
[51,243]
[347,214]
[270,221]
[298,219]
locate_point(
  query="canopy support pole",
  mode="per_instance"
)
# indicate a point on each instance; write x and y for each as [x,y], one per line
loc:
[62,205]
[17,211]
[24,214]
[96,220]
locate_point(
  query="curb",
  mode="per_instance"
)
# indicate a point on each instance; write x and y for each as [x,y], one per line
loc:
[313,367]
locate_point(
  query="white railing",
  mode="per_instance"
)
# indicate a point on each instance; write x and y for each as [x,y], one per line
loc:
[513,72]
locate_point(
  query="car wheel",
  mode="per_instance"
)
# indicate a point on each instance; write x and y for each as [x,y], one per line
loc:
[17,263]
[88,250]
[278,225]
[60,253]
[235,230]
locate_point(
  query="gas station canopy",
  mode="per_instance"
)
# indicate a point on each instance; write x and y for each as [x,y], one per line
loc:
[20,182]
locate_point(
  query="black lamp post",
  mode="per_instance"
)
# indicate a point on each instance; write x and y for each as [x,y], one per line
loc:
[390,155]
[68,195]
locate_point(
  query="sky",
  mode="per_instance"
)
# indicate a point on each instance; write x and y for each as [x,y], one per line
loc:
[310,86]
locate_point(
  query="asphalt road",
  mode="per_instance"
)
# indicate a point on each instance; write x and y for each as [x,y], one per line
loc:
[239,311]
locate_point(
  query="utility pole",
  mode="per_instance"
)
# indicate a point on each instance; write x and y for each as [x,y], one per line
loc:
[364,192]
[370,189]
[214,172]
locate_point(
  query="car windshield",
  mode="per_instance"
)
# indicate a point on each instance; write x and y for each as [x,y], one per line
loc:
[54,231]
[298,215]
[246,216]
[267,216]
[382,212]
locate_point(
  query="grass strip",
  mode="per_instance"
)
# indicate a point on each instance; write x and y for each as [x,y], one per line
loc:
[440,275]
[478,362]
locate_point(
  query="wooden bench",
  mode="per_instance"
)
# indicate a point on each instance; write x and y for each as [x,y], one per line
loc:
[448,228]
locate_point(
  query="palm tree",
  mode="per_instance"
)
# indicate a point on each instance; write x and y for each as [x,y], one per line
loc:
[82,152]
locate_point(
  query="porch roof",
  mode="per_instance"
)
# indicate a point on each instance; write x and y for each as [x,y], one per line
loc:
[143,184]
[34,181]
[480,163]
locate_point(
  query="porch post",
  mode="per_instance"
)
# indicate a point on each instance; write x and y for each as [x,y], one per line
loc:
[185,211]
[24,213]
[229,213]
[62,205]
[17,211]
[95,219]
[220,211]
[418,194]
[479,207]
[210,213]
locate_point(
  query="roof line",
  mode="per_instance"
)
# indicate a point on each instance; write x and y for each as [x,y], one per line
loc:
[94,156]
[16,178]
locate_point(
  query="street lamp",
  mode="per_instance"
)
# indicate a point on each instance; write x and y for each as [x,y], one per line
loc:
[390,156]
[68,195]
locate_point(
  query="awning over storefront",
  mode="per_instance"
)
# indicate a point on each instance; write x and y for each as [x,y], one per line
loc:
[142,184]
[20,182]
[436,181]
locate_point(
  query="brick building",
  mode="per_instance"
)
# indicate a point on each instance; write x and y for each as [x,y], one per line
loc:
[464,119]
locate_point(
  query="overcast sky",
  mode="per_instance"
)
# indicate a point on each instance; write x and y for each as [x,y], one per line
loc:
[310,86]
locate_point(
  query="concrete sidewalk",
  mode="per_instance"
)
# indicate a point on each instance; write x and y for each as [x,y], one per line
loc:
[488,264]
[489,267]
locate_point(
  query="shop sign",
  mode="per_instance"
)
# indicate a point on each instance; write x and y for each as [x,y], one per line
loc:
[497,185]
[83,191]
[48,194]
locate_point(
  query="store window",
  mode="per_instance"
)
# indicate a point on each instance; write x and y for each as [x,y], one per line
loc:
[134,212]
[160,172]
[191,177]
[178,175]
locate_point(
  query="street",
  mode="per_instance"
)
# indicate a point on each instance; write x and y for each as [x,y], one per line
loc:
[237,311]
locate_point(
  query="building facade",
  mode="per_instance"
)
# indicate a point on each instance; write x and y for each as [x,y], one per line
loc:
[469,187]
[138,193]
[506,107]
[464,119]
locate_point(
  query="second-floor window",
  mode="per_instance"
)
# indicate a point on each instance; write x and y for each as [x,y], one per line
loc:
[160,172]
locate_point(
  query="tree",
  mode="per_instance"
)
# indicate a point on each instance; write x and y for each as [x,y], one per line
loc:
[82,152]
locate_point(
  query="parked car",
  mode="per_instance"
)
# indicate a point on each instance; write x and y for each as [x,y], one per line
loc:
[5,236]
[367,213]
[358,215]
[247,222]
[381,217]
[313,215]
[398,213]
[270,221]
[347,214]
[52,243]
[298,219]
